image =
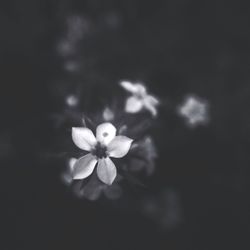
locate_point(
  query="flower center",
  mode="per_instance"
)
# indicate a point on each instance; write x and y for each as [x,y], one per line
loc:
[100,151]
[105,134]
[140,95]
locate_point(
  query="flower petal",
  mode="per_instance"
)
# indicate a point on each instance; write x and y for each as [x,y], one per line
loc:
[106,170]
[105,133]
[119,146]
[134,88]
[83,138]
[129,86]
[133,105]
[141,89]
[72,162]
[151,108]
[84,167]
[152,100]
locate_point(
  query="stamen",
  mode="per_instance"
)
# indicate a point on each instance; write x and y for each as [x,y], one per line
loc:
[100,151]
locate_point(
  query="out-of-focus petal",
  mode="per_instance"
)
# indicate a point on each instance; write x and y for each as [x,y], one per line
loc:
[106,170]
[150,104]
[141,89]
[108,114]
[152,100]
[134,88]
[83,138]
[119,146]
[133,105]
[151,108]
[113,192]
[129,86]
[105,133]
[72,162]
[84,167]
[66,178]
[93,189]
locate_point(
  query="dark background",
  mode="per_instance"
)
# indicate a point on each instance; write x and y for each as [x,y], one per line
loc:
[177,47]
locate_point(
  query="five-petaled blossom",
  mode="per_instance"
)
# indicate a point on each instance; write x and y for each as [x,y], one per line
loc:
[105,145]
[194,110]
[140,98]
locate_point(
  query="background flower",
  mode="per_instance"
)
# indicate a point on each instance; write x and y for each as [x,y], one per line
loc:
[140,99]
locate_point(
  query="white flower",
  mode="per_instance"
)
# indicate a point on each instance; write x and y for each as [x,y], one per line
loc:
[140,99]
[194,110]
[105,145]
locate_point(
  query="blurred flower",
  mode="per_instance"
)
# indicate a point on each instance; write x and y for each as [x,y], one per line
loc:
[72,100]
[140,99]
[194,110]
[143,155]
[105,145]
[76,28]
[164,208]
[108,114]
[72,66]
